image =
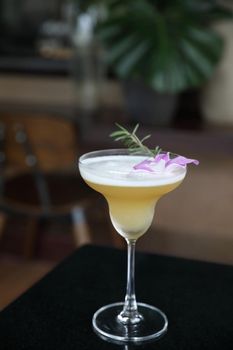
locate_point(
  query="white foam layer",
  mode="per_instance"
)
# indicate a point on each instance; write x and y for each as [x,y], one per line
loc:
[118,171]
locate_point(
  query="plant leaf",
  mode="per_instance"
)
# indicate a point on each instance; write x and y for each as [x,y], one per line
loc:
[168,44]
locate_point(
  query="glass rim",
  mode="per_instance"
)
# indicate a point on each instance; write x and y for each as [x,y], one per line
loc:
[108,151]
[118,151]
[88,169]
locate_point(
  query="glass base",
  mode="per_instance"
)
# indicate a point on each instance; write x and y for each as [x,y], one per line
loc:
[107,325]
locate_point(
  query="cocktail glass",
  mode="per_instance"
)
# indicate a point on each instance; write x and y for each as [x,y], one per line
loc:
[131,196]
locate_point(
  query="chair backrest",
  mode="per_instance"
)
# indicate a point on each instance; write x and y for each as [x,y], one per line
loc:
[52,139]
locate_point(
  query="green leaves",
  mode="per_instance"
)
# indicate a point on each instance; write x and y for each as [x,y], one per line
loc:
[168,44]
[132,142]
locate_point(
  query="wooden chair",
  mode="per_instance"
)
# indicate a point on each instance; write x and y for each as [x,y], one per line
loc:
[39,176]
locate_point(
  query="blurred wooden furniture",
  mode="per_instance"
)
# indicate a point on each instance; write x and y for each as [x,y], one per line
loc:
[39,177]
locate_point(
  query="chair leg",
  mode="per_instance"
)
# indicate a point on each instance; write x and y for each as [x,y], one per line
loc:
[30,238]
[3,218]
[81,230]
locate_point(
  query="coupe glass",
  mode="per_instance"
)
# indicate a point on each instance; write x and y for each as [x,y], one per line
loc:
[131,197]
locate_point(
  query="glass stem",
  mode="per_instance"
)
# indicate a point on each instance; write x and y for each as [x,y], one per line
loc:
[130,314]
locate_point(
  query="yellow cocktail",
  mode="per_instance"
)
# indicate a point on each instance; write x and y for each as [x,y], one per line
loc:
[132,185]
[131,195]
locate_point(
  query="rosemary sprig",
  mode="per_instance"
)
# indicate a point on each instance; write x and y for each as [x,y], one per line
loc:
[132,142]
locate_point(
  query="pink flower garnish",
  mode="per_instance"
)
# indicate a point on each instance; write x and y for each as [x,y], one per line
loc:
[144,165]
[162,162]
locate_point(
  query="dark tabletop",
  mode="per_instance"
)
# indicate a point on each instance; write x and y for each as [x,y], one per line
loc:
[56,313]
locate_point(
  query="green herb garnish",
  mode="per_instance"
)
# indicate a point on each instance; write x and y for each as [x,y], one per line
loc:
[132,142]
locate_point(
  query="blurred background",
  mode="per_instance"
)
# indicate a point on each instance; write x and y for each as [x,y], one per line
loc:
[69,70]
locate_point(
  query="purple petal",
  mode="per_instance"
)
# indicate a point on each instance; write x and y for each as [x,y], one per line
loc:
[144,165]
[180,160]
[162,156]
[163,161]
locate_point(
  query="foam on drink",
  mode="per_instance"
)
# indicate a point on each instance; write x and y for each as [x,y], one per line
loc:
[118,170]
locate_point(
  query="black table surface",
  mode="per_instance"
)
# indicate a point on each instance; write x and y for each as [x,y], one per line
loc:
[56,312]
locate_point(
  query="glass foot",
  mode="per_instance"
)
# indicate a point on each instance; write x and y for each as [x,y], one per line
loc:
[106,323]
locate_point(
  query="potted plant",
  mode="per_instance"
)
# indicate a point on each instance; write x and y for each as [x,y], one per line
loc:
[167,46]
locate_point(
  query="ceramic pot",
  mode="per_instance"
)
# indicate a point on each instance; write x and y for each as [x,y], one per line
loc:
[146,106]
